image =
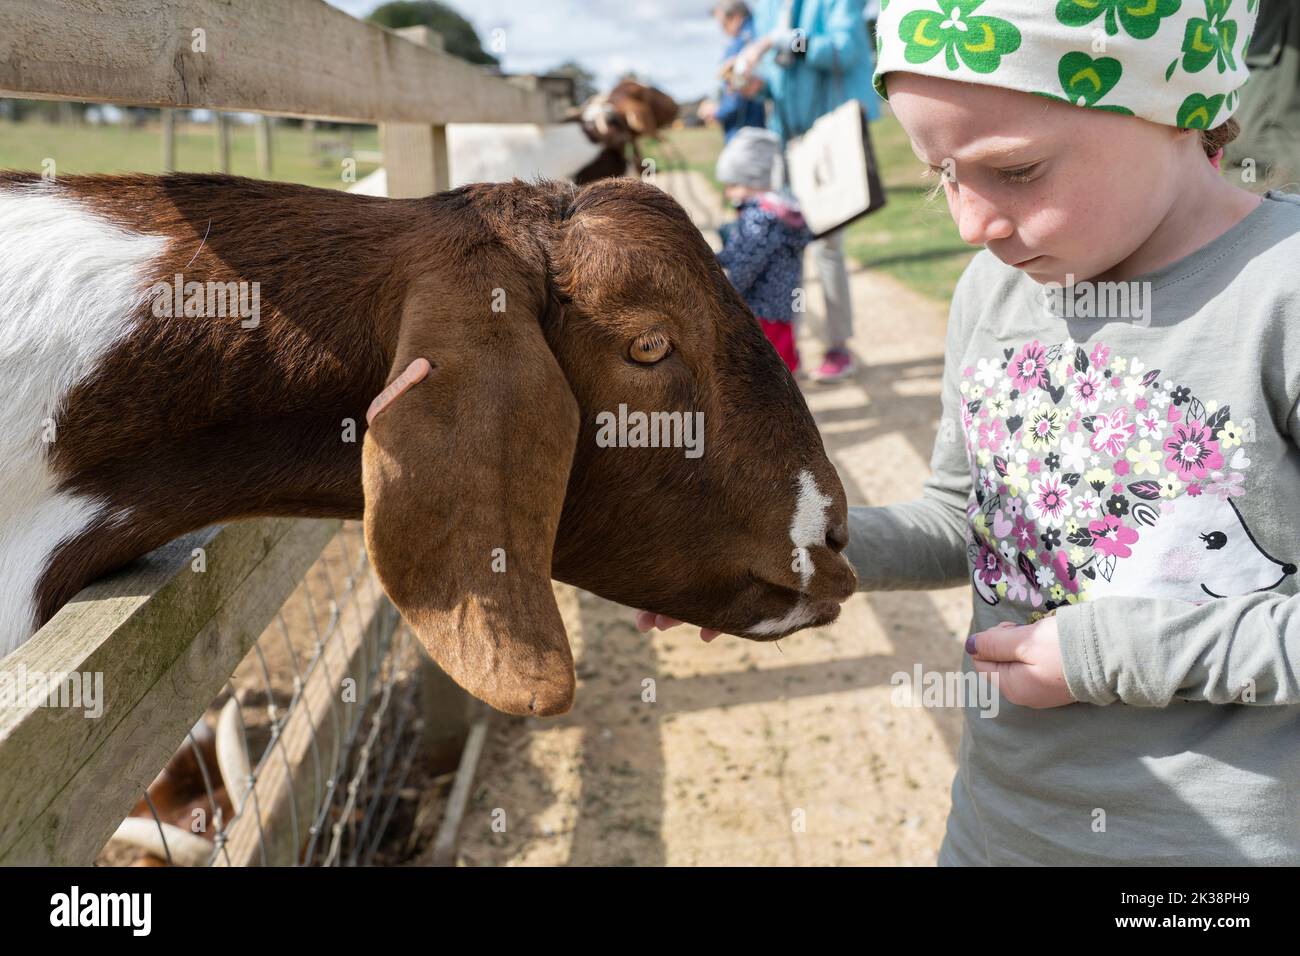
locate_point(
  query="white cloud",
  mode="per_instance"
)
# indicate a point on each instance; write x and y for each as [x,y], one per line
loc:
[674,43]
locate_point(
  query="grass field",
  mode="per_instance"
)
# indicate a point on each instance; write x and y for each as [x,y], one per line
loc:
[912,238]
[115,149]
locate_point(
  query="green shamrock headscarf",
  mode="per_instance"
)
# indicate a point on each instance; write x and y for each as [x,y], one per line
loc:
[1175,62]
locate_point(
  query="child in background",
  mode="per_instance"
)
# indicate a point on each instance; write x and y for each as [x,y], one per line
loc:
[763,249]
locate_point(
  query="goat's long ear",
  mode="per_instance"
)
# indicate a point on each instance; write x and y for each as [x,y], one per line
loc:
[464,469]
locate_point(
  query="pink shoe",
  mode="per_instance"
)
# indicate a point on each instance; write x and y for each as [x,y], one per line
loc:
[838,364]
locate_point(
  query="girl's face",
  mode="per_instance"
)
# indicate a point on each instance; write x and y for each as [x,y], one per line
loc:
[1048,187]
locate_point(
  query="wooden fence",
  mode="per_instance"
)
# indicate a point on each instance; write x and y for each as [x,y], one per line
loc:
[166,638]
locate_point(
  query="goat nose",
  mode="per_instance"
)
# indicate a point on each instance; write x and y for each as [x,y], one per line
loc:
[837,536]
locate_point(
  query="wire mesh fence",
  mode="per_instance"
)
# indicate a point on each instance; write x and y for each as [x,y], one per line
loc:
[300,759]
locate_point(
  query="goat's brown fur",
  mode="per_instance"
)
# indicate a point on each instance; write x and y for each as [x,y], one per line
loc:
[190,422]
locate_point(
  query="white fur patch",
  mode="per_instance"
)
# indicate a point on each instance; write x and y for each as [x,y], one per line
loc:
[797,616]
[70,283]
[808,526]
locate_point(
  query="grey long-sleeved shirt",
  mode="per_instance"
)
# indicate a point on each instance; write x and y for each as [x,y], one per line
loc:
[1142,477]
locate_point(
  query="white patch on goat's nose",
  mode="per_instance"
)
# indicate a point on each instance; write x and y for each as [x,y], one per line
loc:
[808,526]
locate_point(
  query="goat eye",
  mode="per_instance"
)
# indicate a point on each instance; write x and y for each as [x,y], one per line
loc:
[649,348]
[1214,540]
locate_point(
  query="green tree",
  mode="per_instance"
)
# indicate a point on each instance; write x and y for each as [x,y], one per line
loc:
[458,34]
[584,81]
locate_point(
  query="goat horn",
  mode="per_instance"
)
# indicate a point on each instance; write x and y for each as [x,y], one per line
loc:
[146,833]
[232,754]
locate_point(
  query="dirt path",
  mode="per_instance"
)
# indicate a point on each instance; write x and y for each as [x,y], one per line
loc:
[755,754]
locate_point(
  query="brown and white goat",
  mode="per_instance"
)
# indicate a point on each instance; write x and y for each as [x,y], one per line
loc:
[537,306]
[593,144]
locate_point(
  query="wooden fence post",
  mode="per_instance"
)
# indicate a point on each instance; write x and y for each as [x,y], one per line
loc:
[263,133]
[221,129]
[168,140]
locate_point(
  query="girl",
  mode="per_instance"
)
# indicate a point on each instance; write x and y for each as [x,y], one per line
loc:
[1116,472]
[762,250]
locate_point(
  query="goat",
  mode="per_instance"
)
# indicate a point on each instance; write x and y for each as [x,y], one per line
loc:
[593,144]
[194,797]
[537,309]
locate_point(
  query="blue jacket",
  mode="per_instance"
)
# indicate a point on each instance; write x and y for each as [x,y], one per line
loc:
[763,254]
[734,110]
[835,68]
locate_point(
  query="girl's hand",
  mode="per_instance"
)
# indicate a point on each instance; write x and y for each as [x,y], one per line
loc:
[1027,661]
[648,621]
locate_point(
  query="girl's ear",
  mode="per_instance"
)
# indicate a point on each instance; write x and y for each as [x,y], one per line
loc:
[464,469]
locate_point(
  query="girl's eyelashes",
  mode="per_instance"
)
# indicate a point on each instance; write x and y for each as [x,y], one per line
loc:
[1022,175]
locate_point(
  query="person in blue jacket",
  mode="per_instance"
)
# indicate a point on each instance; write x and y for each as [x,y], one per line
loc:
[809,57]
[733,110]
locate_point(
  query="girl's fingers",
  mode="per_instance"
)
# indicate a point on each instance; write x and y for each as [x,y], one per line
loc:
[1001,643]
[649,620]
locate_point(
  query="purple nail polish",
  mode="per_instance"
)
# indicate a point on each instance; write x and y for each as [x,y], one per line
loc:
[970,644]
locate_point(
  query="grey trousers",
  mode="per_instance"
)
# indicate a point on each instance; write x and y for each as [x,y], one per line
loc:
[828,258]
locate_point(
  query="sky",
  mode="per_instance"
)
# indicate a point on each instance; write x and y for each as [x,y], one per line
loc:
[674,43]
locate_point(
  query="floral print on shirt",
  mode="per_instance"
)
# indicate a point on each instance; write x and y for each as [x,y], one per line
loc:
[1076,453]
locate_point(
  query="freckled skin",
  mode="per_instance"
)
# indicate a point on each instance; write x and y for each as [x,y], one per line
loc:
[1108,200]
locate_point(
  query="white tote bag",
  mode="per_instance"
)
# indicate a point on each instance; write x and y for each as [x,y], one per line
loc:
[831,169]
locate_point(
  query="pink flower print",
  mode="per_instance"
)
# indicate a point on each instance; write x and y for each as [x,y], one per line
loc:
[1017,586]
[1100,355]
[1226,487]
[1049,501]
[1015,507]
[988,564]
[1121,467]
[1173,414]
[1085,389]
[1141,404]
[1035,466]
[1061,565]
[1111,537]
[1112,432]
[1029,368]
[1023,533]
[1194,489]
[1192,452]
[992,433]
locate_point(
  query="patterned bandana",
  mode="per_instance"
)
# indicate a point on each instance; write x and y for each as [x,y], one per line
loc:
[1174,62]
